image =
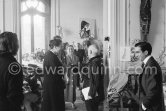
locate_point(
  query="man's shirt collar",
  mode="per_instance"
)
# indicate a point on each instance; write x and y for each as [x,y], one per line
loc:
[146,59]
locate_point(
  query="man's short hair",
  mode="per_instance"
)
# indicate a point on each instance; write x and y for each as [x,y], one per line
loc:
[144,46]
[9,42]
[55,42]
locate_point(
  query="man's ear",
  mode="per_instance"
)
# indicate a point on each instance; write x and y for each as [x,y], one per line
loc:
[53,47]
[146,52]
[56,48]
[91,51]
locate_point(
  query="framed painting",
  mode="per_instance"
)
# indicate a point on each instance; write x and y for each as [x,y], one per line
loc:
[87,27]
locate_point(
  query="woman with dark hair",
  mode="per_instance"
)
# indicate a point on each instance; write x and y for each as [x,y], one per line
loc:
[85,30]
[53,84]
[11,75]
[57,37]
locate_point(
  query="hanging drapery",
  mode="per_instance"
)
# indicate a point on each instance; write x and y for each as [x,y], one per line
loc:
[17,23]
[145,18]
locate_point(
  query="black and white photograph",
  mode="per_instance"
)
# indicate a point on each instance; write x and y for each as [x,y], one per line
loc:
[82,55]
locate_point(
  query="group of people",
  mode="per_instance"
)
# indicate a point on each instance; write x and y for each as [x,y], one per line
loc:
[60,76]
[60,84]
[60,79]
[149,96]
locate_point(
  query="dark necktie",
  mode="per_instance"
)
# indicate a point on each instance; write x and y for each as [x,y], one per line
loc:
[139,80]
[143,64]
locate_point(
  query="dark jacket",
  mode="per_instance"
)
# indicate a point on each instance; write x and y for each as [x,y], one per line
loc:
[80,53]
[11,82]
[150,91]
[53,84]
[95,78]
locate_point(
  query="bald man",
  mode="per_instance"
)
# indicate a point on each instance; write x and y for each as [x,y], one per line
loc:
[94,79]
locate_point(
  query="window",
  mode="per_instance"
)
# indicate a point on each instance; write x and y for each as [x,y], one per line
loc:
[34,30]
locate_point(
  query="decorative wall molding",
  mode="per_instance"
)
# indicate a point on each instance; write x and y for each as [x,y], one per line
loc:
[132,20]
[55,15]
[3,15]
[162,57]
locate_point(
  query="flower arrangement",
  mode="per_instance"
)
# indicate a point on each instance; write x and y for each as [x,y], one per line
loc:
[39,55]
[34,57]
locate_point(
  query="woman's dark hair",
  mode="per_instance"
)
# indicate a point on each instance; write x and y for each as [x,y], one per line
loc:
[57,37]
[70,46]
[65,45]
[9,42]
[55,42]
[144,46]
[83,23]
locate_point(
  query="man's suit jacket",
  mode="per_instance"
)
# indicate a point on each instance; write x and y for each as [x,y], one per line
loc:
[150,91]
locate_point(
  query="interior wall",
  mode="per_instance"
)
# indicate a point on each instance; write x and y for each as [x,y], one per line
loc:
[157,32]
[72,10]
[133,19]
[1,16]
[6,15]
[9,15]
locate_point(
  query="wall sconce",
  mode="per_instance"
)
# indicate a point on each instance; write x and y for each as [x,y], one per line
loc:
[107,39]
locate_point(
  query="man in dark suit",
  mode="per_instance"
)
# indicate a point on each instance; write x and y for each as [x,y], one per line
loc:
[150,93]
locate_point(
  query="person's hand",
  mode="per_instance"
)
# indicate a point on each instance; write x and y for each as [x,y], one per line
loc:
[67,80]
[143,107]
[81,84]
[89,97]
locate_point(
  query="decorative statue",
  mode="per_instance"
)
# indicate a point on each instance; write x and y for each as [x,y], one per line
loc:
[60,32]
[145,18]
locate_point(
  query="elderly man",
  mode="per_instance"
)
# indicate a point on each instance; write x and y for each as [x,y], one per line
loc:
[94,79]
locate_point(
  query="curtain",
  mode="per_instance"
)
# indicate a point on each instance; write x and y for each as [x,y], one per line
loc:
[17,24]
[2,22]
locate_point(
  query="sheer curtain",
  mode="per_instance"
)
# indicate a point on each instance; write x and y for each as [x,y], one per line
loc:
[10,18]
[2,15]
[17,23]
